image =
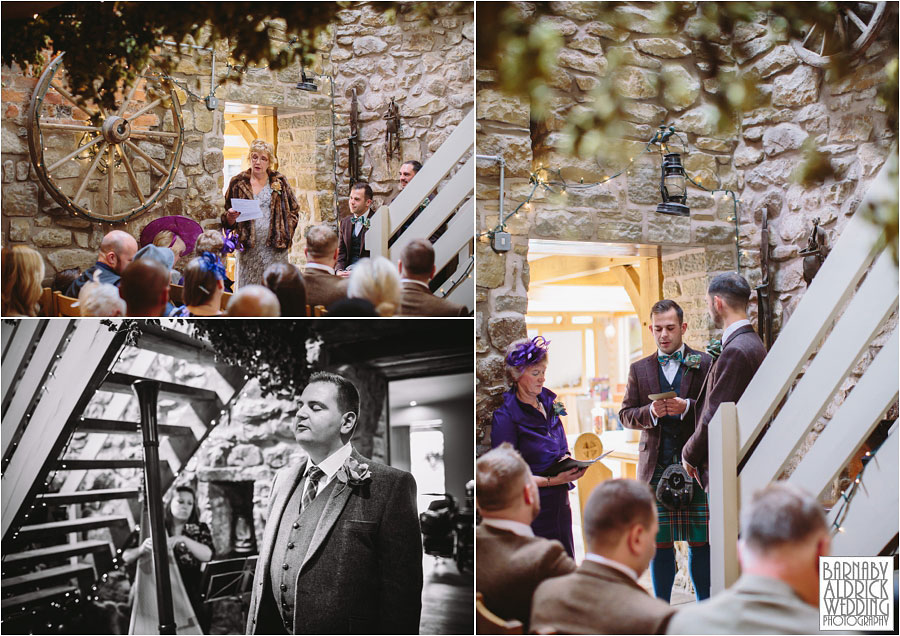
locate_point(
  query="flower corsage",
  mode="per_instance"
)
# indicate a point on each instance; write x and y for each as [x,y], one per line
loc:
[559,408]
[275,185]
[354,473]
[714,348]
[692,361]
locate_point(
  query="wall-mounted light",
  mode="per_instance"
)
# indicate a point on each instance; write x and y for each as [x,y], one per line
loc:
[672,187]
[306,83]
[610,331]
[413,403]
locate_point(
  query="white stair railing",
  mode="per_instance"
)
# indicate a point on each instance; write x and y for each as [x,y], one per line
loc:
[455,196]
[855,314]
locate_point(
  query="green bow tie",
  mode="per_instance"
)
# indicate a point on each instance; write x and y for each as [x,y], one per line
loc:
[714,348]
[360,219]
[664,359]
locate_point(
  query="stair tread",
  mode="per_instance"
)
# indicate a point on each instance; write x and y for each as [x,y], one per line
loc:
[61,550]
[121,383]
[89,464]
[76,524]
[79,496]
[48,573]
[96,425]
[38,595]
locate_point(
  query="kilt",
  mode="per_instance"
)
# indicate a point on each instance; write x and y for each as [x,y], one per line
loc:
[690,523]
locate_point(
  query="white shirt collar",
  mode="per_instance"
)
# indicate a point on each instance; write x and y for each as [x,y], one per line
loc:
[516,527]
[417,282]
[730,329]
[324,268]
[659,352]
[621,567]
[331,464]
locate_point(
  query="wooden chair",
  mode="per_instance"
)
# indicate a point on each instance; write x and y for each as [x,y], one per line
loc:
[64,306]
[486,622]
[176,294]
[48,304]
[226,298]
[319,310]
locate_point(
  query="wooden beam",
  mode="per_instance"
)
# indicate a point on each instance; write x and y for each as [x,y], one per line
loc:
[246,131]
[650,274]
[268,130]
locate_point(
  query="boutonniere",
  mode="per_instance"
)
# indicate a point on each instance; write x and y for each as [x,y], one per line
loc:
[276,186]
[714,348]
[354,473]
[559,408]
[692,361]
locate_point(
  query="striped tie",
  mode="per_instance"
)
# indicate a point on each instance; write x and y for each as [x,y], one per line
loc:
[312,484]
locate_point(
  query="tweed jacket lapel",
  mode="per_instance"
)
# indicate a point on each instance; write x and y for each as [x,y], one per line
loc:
[651,374]
[336,502]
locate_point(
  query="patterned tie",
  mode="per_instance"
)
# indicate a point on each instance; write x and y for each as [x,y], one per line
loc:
[664,359]
[360,219]
[313,475]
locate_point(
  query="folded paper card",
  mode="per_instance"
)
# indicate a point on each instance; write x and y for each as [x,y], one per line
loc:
[249,209]
[568,463]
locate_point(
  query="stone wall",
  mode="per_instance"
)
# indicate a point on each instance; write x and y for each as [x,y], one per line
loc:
[755,159]
[427,68]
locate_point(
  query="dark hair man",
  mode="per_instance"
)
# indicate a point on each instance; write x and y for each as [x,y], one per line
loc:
[354,226]
[323,286]
[145,288]
[417,268]
[742,354]
[602,595]
[511,560]
[342,552]
[665,425]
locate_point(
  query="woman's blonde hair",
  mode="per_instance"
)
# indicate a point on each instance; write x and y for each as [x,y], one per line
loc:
[23,272]
[258,145]
[209,241]
[376,280]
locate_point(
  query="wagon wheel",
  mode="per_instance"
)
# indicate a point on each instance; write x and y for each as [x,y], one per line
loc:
[106,166]
[856,27]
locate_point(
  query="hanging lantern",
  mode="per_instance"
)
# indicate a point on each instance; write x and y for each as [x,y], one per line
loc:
[672,186]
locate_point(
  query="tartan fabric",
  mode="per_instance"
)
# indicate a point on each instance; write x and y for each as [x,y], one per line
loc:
[685,524]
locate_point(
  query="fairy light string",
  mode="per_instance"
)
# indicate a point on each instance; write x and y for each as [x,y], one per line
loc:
[849,493]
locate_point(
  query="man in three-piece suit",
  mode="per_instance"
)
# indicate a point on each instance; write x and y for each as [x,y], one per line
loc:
[665,425]
[342,552]
[417,268]
[742,354]
[323,286]
[511,560]
[602,596]
[354,226]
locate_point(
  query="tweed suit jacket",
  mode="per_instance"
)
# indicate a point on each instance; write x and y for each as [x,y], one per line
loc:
[643,380]
[597,599]
[323,288]
[511,566]
[362,572]
[753,605]
[742,354]
[416,300]
[345,244]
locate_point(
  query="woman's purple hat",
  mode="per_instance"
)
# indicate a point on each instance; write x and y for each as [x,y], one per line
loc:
[181,226]
[528,353]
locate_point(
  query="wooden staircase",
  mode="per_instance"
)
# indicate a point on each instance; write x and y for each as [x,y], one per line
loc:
[752,443]
[56,541]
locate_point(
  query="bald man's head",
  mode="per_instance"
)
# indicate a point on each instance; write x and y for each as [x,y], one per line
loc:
[117,249]
[145,287]
[417,260]
[254,301]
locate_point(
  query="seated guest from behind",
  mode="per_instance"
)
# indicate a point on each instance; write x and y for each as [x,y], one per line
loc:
[64,278]
[286,282]
[100,299]
[354,226]
[203,288]
[783,534]
[165,256]
[511,560]
[145,288]
[252,301]
[376,280]
[323,286]
[23,273]
[213,242]
[602,596]
[417,268]
[117,250]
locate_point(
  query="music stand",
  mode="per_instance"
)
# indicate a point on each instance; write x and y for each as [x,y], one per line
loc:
[229,579]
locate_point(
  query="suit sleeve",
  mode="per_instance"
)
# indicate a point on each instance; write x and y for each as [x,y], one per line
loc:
[555,562]
[343,257]
[730,379]
[633,414]
[400,553]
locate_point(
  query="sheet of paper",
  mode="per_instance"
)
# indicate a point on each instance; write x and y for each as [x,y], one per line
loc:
[249,209]
[658,396]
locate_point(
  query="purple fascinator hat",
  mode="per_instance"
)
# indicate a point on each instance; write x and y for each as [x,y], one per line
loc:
[528,353]
[181,226]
